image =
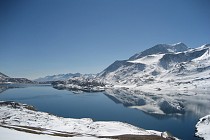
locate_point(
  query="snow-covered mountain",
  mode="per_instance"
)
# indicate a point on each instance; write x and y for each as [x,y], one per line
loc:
[3,76]
[8,80]
[58,77]
[148,56]
[161,48]
[164,79]
[169,64]
[160,68]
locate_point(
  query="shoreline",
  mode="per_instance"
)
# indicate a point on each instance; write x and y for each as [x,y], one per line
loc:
[22,117]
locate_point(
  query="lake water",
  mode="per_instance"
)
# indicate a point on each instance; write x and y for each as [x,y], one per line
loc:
[99,107]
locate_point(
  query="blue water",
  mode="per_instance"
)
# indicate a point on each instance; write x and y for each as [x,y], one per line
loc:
[99,107]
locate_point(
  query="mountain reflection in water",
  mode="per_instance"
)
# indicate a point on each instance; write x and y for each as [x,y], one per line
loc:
[162,104]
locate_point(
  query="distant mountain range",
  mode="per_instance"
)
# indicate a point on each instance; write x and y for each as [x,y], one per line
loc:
[4,79]
[58,77]
[161,67]
[62,77]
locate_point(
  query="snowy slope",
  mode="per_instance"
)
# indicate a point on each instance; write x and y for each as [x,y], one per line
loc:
[203,128]
[161,79]
[10,134]
[23,117]
[162,67]
[161,49]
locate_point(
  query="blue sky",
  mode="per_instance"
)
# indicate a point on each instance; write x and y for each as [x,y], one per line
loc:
[44,37]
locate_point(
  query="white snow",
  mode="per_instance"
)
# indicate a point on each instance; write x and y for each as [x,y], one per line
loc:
[203,128]
[150,108]
[190,73]
[10,134]
[149,59]
[206,55]
[20,117]
[168,78]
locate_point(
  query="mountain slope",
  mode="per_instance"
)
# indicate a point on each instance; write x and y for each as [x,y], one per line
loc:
[164,82]
[169,64]
[161,49]
[6,79]
[146,56]
[58,77]
[3,76]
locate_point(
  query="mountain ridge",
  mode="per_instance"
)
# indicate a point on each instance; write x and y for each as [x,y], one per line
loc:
[4,79]
[161,48]
[57,77]
[154,65]
[62,77]
[158,83]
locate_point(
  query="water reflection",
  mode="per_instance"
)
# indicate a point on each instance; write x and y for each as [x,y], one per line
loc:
[157,105]
[174,112]
[4,87]
[160,105]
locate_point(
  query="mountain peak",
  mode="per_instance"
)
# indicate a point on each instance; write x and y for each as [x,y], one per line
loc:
[179,43]
[180,47]
[161,64]
[160,49]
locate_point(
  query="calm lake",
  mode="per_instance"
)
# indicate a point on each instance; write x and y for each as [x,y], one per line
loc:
[100,107]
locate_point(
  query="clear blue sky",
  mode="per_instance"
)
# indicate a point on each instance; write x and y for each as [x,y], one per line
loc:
[44,37]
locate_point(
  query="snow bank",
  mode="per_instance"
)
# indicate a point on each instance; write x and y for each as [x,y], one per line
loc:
[203,128]
[23,117]
[148,60]
[8,134]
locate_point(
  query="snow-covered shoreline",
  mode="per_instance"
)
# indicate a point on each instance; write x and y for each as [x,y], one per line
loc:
[203,128]
[23,117]
[10,134]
